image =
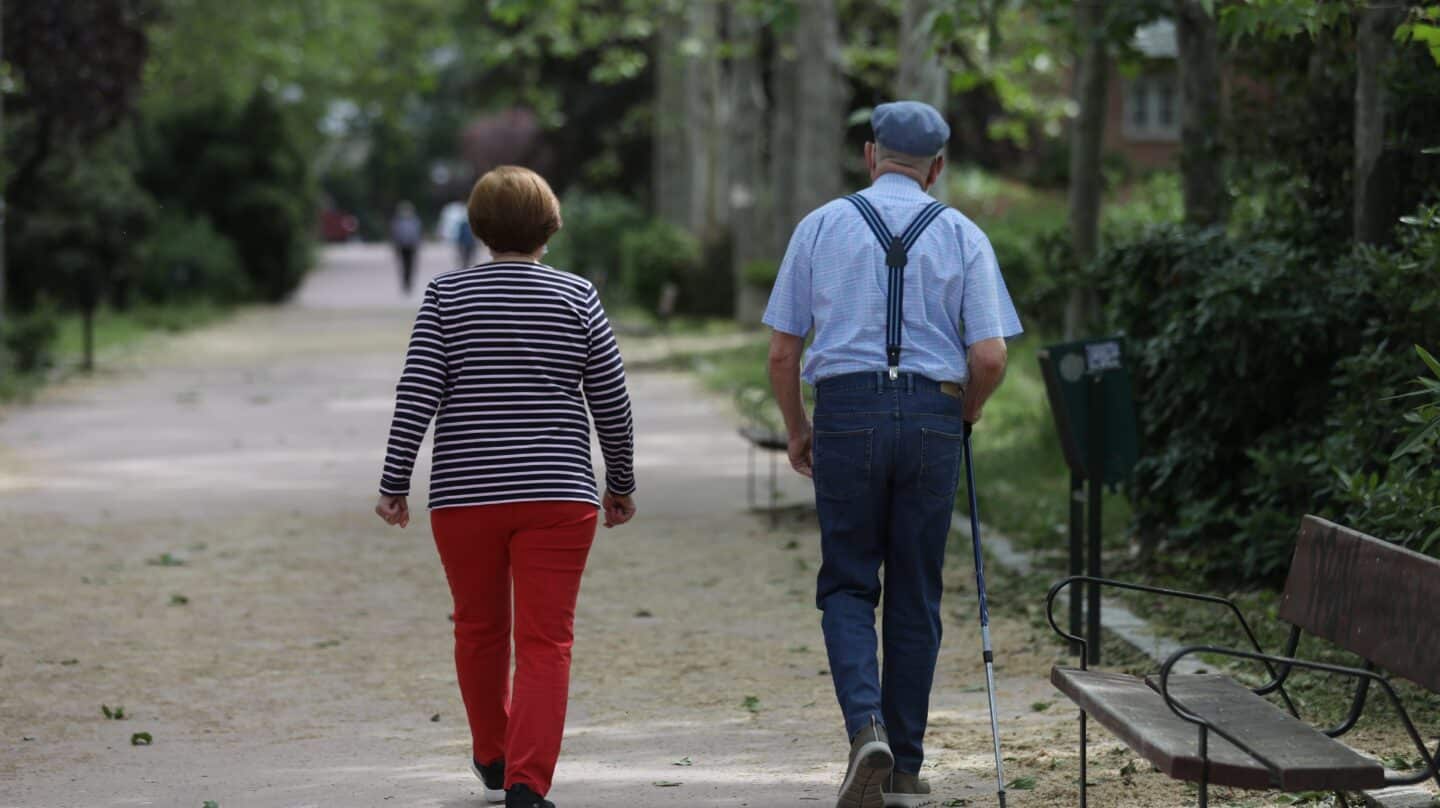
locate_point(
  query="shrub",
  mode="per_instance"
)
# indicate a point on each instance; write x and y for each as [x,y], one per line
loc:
[760,273]
[245,169]
[657,254]
[73,242]
[185,259]
[1265,377]
[589,242]
[26,340]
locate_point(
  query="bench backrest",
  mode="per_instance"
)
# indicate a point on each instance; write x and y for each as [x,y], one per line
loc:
[1374,598]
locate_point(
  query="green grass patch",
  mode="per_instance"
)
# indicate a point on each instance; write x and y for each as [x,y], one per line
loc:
[114,331]
[1022,481]
[117,329]
[640,321]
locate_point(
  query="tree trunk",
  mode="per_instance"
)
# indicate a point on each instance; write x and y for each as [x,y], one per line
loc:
[1202,176]
[3,179]
[705,122]
[1087,136]
[670,173]
[921,77]
[1373,221]
[822,100]
[783,119]
[749,200]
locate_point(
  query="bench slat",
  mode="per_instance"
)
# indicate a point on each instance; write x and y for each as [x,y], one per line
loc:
[1308,759]
[1135,713]
[1368,596]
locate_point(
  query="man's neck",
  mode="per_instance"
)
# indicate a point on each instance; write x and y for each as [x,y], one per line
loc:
[900,173]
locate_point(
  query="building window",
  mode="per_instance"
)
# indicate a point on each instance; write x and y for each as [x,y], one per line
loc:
[1152,108]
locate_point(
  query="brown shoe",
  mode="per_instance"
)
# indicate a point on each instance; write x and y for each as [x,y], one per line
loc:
[870,764]
[904,790]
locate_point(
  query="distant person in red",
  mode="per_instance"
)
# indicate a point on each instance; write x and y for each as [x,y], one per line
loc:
[405,232]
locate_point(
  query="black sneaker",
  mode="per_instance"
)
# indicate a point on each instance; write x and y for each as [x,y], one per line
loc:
[871,762]
[520,796]
[493,776]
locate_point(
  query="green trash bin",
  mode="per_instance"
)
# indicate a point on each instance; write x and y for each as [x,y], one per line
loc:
[1091,398]
[1077,373]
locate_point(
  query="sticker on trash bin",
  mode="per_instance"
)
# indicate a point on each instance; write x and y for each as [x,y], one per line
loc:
[1072,367]
[1101,356]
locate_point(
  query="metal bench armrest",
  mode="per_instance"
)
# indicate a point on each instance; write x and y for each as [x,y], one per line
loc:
[1155,590]
[1432,768]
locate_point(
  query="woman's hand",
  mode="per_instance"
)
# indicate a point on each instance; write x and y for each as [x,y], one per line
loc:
[618,509]
[393,510]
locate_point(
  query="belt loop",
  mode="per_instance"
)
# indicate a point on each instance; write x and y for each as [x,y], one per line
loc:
[879,382]
[910,383]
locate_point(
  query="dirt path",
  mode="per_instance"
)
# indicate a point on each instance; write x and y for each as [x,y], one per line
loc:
[189,537]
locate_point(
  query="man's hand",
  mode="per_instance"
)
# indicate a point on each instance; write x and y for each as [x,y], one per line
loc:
[394,510]
[973,412]
[785,350]
[802,458]
[618,509]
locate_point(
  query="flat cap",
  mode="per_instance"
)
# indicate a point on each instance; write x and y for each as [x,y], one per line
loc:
[910,127]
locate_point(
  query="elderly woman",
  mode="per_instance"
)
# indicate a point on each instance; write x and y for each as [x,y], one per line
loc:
[507,357]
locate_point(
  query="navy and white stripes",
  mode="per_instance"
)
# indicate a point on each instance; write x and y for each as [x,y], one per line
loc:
[507,358]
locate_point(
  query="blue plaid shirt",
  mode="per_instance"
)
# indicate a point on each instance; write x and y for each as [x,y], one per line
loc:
[833,279]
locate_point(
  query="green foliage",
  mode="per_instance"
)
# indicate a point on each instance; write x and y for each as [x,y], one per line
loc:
[1266,375]
[315,50]
[589,242]
[760,273]
[245,169]
[27,341]
[1153,200]
[1291,131]
[656,254]
[183,258]
[1277,19]
[1426,414]
[1422,26]
[72,239]
[1008,52]
[1026,228]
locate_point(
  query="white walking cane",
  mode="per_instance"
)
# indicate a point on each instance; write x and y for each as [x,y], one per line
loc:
[984,614]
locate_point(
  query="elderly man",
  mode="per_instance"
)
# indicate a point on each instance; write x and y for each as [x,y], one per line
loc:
[910,316]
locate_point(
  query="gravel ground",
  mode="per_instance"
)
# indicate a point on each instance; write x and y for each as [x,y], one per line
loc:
[188,536]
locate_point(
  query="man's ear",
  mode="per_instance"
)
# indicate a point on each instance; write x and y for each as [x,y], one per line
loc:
[870,158]
[935,168]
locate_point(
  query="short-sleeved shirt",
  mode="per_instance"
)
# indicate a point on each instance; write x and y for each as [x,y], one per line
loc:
[834,280]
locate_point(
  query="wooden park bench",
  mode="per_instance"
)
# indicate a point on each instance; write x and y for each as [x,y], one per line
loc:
[759,429]
[1369,597]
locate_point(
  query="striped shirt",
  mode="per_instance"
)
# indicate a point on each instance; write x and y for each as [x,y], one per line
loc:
[507,358]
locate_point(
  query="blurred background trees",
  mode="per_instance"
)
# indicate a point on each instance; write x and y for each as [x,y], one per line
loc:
[1241,186]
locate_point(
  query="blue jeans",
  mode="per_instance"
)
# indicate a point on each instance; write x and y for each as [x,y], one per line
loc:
[887,463]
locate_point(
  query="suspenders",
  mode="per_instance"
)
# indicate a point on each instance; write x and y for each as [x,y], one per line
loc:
[897,250]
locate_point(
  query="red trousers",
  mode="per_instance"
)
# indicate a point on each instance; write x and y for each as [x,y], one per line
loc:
[541,547]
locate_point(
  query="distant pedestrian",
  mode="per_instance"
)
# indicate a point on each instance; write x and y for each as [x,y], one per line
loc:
[454,227]
[513,360]
[909,344]
[464,243]
[406,232]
